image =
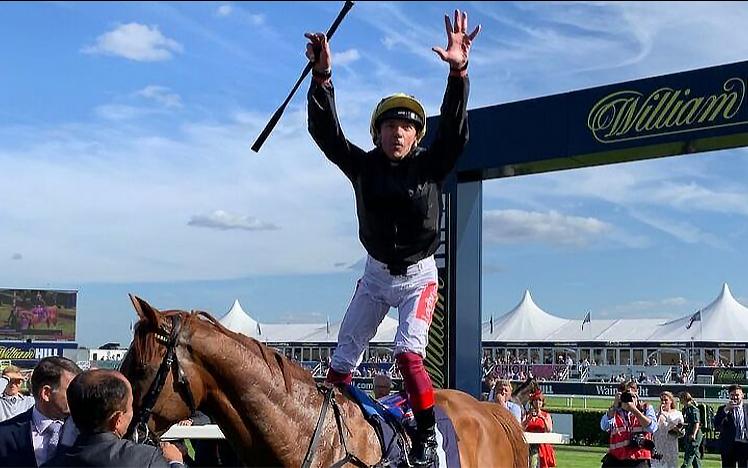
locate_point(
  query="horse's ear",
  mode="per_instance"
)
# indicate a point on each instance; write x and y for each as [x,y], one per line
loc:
[145,310]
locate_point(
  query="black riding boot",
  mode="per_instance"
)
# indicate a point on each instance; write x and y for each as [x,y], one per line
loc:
[423,452]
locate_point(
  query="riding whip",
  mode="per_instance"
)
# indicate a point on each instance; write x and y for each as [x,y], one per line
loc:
[278,113]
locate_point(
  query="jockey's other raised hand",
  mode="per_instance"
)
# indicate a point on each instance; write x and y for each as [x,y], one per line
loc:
[318,51]
[458,41]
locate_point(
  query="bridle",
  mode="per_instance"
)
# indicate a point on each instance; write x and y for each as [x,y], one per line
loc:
[169,337]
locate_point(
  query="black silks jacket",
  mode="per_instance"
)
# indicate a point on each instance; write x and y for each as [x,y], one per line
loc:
[398,203]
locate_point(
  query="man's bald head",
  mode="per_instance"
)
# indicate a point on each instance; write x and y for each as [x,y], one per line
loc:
[95,396]
[382,385]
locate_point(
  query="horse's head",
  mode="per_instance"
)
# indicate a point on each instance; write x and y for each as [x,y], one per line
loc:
[524,390]
[167,385]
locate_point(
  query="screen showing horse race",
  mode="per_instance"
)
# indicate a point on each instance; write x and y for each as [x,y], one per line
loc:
[38,314]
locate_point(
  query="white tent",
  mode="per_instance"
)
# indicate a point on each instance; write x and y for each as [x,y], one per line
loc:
[239,321]
[385,332]
[236,319]
[526,322]
[724,320]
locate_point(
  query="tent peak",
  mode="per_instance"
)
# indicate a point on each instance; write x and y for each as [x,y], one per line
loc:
[527,297]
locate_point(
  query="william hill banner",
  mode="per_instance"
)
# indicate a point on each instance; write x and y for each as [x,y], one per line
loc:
[687,112]
[630,114]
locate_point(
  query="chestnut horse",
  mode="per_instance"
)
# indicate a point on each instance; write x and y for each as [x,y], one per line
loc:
[268,406]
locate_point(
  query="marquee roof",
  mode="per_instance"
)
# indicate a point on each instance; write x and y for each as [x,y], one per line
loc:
[526,322]
[236,319]
[723,320]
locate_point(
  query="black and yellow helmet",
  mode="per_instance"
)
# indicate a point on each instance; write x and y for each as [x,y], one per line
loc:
[399,106]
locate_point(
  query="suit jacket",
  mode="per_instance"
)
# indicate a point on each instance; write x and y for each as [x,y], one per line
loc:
[106,449]
[725,423]
[16,446]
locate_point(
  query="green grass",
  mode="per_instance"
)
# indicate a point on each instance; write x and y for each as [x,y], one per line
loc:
[589,457]
[578,402]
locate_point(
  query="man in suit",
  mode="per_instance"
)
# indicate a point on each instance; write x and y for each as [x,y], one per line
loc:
[101,406]
[31,438]
[731,421]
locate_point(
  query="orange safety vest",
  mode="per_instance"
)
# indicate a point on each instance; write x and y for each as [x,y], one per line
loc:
[620,437]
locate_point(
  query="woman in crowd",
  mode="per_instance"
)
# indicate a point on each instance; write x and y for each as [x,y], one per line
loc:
[693,434]
[537,420]
[669,427]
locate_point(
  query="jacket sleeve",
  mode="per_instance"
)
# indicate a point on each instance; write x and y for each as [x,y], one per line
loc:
[325,129]
[650,413]
[452,133]
[200,419]
[157,460]
[719,417]
[605,422]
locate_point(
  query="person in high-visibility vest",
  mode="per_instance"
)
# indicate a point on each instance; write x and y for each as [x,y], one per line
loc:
[630,424]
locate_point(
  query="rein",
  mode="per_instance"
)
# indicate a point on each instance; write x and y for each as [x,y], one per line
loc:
[328,392]
[169,337]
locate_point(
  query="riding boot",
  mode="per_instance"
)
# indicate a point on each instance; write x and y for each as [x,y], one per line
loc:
[423,452]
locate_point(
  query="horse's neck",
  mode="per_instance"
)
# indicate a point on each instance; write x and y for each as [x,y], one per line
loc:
[249,399]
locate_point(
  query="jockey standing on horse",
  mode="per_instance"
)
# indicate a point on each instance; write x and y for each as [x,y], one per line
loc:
[398,198]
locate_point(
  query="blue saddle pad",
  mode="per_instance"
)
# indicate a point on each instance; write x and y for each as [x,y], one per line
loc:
[393,416]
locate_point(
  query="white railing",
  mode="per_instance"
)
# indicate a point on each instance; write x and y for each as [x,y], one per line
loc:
[211,431]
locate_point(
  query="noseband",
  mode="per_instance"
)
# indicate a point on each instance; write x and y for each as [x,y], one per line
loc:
[169,337]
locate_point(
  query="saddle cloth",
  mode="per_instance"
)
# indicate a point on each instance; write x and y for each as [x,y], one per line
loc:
[394,417]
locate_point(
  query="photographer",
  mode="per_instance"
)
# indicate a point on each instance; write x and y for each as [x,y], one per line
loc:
[630,424]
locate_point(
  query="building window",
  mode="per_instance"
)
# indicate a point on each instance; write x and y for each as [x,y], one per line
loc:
[739,357]
[625,358]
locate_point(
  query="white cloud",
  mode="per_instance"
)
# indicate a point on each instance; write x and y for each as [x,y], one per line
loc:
[223,221]
[161,95]
[255,19]
[119,112]
[346,57]
[137,42]
[553,228]
[136,188]
[225,10]
[681,230]
[228,9]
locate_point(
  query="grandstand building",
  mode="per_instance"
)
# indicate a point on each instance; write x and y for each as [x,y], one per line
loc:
[715,335]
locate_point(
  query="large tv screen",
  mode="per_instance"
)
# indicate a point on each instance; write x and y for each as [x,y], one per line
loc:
[37,314]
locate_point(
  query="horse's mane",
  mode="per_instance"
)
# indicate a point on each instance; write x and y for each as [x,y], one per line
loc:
[148,346]
[288,368]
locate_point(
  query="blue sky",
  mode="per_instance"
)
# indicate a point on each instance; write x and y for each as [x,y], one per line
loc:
[125,131]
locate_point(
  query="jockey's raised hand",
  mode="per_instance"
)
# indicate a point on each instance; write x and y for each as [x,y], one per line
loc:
[318,51]
[458,41]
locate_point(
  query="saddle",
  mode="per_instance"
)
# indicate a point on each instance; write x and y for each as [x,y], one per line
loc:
[393,422]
